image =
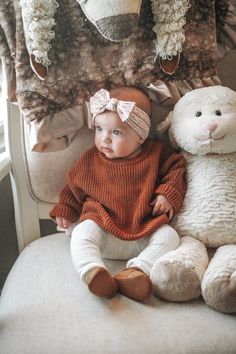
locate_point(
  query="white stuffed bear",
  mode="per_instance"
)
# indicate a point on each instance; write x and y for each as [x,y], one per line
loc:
[203,125]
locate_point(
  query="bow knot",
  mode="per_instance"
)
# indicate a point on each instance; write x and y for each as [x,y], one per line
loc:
[112,104]
[102,101]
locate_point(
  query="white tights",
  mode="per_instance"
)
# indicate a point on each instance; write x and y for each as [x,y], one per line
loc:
[89,244]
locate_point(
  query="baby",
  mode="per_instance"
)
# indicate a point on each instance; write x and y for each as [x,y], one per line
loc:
[124,191]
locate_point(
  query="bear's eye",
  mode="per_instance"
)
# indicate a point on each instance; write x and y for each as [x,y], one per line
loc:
[218,112]
[198,114]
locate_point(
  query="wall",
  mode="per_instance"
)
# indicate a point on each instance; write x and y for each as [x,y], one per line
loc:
[226,70]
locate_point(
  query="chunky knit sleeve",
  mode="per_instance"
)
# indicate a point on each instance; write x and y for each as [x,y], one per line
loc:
[71,199]
[172,182]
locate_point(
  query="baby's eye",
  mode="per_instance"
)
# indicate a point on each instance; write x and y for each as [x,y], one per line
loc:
[116,132]
[98,128]
[198,114]
[218,112]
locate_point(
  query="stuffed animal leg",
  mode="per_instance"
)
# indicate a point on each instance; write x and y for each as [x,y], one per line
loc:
[219,282]
[178,274]
[38,21]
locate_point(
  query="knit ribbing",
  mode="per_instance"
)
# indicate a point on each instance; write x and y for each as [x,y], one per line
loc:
[116,194]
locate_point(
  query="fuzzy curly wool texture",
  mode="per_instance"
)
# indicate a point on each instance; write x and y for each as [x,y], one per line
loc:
[170,19]
[38,18]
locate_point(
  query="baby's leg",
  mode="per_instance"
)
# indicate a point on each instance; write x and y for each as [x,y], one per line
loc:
[86,242]
[134,281]
[86,239]
[162,241]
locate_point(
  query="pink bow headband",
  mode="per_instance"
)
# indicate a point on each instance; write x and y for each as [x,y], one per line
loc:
[128,112]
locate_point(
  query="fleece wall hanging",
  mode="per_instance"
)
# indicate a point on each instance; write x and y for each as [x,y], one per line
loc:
[62,51]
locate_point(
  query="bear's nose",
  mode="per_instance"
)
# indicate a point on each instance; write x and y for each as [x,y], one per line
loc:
[209,126]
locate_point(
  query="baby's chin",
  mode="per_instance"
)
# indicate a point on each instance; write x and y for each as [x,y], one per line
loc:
[110,156]
[108,153]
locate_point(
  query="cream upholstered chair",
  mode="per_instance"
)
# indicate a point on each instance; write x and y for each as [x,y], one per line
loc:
[44,307]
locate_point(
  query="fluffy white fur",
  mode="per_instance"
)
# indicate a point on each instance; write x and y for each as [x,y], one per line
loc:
[209,210]
[191,132]
[203,125]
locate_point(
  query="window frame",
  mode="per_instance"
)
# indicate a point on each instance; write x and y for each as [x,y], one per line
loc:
[2,144]
[2,119]
[5,162]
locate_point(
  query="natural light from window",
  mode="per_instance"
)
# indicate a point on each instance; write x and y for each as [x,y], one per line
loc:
[1,125]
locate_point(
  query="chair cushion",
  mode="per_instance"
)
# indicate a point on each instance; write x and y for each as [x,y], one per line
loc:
[45,309]
[47,171]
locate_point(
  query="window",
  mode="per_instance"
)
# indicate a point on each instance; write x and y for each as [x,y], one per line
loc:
[1,126]
[5,165]
[5,162]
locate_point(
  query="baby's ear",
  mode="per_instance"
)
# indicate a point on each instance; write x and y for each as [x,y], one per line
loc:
[141,140]
[115,20]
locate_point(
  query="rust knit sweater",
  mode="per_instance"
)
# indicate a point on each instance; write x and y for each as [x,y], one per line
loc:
[116,193]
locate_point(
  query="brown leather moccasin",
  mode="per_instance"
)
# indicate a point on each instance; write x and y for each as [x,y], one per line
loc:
[134,284]
[101,283]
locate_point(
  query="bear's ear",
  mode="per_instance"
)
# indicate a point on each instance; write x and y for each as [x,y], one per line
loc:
[115,20]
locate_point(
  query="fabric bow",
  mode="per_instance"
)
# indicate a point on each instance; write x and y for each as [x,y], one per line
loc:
[101,101]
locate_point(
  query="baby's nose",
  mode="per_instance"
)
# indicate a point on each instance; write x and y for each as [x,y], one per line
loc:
[106,137]
[209,126]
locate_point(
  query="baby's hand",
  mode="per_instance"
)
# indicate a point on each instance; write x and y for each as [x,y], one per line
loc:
[162,205]
[62,222]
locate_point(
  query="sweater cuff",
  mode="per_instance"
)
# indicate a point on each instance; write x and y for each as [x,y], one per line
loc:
[175,198]
[63,211]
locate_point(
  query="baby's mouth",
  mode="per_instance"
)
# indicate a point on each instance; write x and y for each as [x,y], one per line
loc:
[106,149]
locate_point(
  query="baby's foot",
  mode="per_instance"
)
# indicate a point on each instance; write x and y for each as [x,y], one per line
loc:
[134,283]
[101,283]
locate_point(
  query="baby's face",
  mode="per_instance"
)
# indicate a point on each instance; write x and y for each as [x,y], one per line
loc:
[114,138]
